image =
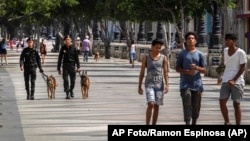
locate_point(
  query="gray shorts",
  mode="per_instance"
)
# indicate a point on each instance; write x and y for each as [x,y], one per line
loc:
[154,95]
[236,92]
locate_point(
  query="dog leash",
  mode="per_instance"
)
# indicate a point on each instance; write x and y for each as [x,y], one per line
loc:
[79,72]
[44,76]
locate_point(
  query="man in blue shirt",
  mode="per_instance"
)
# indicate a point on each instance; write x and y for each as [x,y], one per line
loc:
[190,64]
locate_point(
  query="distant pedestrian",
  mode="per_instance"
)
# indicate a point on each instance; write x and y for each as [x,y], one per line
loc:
[11,44]
[233,82]
[43,50]
[86,46]
[3,51]
[69,59]
[78,45]
[29,61]
[132,53]
[190,64]
[18,45]
[157,73]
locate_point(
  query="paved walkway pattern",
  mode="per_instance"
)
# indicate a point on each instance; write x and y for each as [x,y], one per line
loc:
[113,99]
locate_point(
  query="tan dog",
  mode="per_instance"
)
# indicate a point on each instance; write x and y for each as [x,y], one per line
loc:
[51,86]
[97,56]
[85,84]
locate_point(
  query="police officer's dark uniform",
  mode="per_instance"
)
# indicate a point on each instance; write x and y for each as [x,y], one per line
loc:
[69,59]
[29,61]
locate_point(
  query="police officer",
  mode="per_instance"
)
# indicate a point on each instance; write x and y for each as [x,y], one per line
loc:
[29,61]
[69,59]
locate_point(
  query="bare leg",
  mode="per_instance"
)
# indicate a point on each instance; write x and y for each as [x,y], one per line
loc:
[237,113]
[149,112]
[224,110]
[155,114]
[5,58]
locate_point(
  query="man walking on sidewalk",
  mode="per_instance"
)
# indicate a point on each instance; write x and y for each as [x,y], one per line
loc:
[29,61]
[69,56]
[233,82]
[156,65]
[190,64]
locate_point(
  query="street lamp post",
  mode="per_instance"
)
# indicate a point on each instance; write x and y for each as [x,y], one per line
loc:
[215,40]
[215,47]
[202,34]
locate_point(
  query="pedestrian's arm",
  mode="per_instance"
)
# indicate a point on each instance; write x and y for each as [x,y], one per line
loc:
[59,62]
[240,72]
[166,70]
[200,69]
[184,71]
[77,59]
[38,60]
[21,61]
[142,71]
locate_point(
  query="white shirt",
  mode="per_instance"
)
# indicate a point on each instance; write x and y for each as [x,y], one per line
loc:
[232,64]
[132,49]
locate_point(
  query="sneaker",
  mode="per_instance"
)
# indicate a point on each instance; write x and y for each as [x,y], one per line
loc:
[28,97]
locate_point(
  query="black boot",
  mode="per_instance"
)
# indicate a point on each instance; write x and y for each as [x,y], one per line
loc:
[32,95]
[28,94]
[71,93]
[67,95]
[194,121]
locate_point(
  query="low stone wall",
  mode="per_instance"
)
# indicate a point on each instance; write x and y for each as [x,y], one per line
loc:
[120,50]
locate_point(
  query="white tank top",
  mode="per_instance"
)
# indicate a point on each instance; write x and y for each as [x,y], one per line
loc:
[132,49]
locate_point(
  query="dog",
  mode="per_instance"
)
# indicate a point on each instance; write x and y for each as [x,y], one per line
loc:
[51,86]
[97,56]
[85,84]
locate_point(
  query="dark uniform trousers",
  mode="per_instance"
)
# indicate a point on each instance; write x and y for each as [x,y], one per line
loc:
[30,77]
[69,72]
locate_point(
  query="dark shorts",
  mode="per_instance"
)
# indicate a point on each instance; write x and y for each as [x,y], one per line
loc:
[43,53]
[3,51]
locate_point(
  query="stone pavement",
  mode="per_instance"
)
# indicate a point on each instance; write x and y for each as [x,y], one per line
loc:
[113,99]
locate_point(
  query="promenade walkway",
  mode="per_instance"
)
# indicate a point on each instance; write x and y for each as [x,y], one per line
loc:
[113,99]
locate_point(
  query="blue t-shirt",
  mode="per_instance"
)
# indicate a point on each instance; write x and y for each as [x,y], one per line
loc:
[3,45]
[184,60]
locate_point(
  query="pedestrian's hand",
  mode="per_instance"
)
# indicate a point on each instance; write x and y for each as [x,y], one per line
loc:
[41,70]
[231,82]
[193,66]
[191,72]
[140,91]
[21,68]
[59,72]
[219,81]
[166,88]
[78,70]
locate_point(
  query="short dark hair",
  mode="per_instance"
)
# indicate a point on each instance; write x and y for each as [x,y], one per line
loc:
[190,33]
[67,36]
[157,41]
[29,39]
[230,36]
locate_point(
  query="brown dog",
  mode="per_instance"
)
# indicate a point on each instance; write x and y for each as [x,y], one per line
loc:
[97,56]
[85,84]
[51,86]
